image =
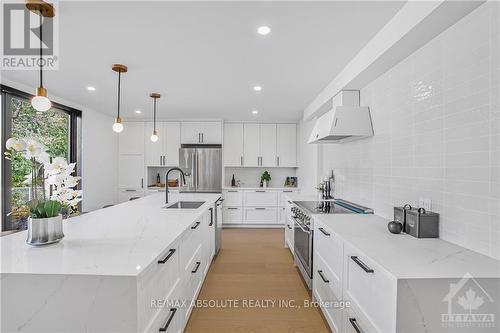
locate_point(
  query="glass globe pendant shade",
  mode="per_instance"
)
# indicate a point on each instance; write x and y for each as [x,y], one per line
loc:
[118,126]
[40,102]
[154,137]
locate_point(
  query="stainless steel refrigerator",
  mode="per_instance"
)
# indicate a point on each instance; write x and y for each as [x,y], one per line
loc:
[203,163]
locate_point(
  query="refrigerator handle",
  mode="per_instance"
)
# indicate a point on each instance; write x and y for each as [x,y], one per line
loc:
[197,170]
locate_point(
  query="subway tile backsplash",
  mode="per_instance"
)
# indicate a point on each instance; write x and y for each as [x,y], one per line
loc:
[436,118]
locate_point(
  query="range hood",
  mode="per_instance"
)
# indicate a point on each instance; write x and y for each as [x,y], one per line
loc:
[344,121]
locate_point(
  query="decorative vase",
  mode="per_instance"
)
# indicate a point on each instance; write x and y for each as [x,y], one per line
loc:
[44,231]
[264,184]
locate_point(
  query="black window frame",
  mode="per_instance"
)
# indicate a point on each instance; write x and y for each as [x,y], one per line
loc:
[75,144]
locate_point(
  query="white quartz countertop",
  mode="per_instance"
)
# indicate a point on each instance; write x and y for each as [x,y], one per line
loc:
[119,240]
[261,188]
[404,256]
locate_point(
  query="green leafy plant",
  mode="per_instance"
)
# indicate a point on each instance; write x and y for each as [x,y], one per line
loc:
[47,209]
[266,177]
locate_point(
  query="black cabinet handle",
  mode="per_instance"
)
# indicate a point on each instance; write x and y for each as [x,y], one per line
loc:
[260,191]
[170,254]
[232,191]
[325,280]
[354,324]
[287,191]
[169,320]
[289,226]
[195,225]
[260,208]
[232,208]
[211,216]
[196,267]
[362,264]
[324,232]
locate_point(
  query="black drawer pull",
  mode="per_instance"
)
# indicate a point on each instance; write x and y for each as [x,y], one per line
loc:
[170,253]
[259,191]
[211,217]
[354,324]
[289,226]
[325,280]
[169,320]
[233,191]
[232,208]
[195,225]
[362,264]
[196,267]
[260,208]
[324,232]
[285,191]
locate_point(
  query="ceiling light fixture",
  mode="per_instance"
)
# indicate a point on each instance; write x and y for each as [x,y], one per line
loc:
[138,111]
[255,111]
[90,88]
[263,30]
[154,136]
[118,126]
[257,88]
[40,102]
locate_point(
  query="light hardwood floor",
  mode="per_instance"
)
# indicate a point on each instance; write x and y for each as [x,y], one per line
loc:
[253,265]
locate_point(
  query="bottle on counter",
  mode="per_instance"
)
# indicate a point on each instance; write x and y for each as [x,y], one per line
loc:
[233,181]
[158,179]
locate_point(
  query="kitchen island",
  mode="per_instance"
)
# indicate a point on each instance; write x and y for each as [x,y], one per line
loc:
[113,270]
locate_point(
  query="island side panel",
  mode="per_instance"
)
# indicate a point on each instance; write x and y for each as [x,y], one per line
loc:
[463,304]
[68,303]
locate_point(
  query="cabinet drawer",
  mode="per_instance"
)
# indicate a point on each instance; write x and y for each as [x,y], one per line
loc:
[282,215]
[193,278]
[334,281]
[260,198]
[233,198]
[190,242]
[289,235]
[157,282]
[323,289]
[371,291]
[232,215]
[354,322]
[331,249]
[282,201]
[168,316]
[261,215]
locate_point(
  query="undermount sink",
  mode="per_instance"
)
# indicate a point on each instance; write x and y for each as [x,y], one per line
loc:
[185,205]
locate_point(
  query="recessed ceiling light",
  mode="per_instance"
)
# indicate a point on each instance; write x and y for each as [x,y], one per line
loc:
[90,88]
[264,30]
[255,111]
[138,111]
[257,88]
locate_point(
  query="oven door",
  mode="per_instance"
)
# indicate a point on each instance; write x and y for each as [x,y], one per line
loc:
[303,246]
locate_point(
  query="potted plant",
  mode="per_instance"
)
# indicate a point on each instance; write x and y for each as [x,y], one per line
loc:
[265,178]
[52,191]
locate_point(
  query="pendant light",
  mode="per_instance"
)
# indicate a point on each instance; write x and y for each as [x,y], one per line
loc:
[118,126]
[154,136]
[40,102]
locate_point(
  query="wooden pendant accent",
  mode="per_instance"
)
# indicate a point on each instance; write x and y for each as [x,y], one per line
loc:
[154,95]
[119,68]
[40,7]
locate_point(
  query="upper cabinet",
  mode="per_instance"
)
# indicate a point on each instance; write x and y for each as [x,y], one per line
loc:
[287,145]
[131,140]
[205,132]
[268,157]
[165,151]
[259,142]
[233,144]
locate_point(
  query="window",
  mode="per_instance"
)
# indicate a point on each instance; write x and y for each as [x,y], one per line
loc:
[57,129]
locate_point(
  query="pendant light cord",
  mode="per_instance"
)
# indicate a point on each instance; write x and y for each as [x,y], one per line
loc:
[119,88]
[154,114]
[41,50]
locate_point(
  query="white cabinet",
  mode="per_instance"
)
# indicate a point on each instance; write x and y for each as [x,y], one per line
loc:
[261,198]
[287,145]
[232,215]
[251,142]
[259,145]
[165,151]
[233,144]
[206,132]
[233,198]
[131,140]
[268,156]
[127,194]
[131,171]
[260,215]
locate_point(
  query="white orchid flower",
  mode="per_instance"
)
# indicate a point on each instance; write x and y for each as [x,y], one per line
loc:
[71,181]
[43,158]
[33,149]
[15,144]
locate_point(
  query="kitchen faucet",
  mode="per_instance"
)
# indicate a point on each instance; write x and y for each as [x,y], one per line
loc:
[166,180]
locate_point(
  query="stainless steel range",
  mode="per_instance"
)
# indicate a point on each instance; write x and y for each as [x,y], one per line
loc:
[302,212]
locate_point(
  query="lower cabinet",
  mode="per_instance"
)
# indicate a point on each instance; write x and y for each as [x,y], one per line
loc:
[258,215]
[129,194]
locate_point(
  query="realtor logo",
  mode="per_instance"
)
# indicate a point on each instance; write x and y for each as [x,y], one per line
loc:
[468,305]
[23,35]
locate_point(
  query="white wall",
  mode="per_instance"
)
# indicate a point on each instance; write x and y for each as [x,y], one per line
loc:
[250,177]
[307,157]
[436,118]
[99,152]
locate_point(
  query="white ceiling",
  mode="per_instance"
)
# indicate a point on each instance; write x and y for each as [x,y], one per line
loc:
[205,57]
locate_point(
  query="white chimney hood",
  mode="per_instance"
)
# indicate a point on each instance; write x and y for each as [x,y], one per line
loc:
[345,121]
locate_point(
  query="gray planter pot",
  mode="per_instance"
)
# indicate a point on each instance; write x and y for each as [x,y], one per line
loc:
[44,231]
